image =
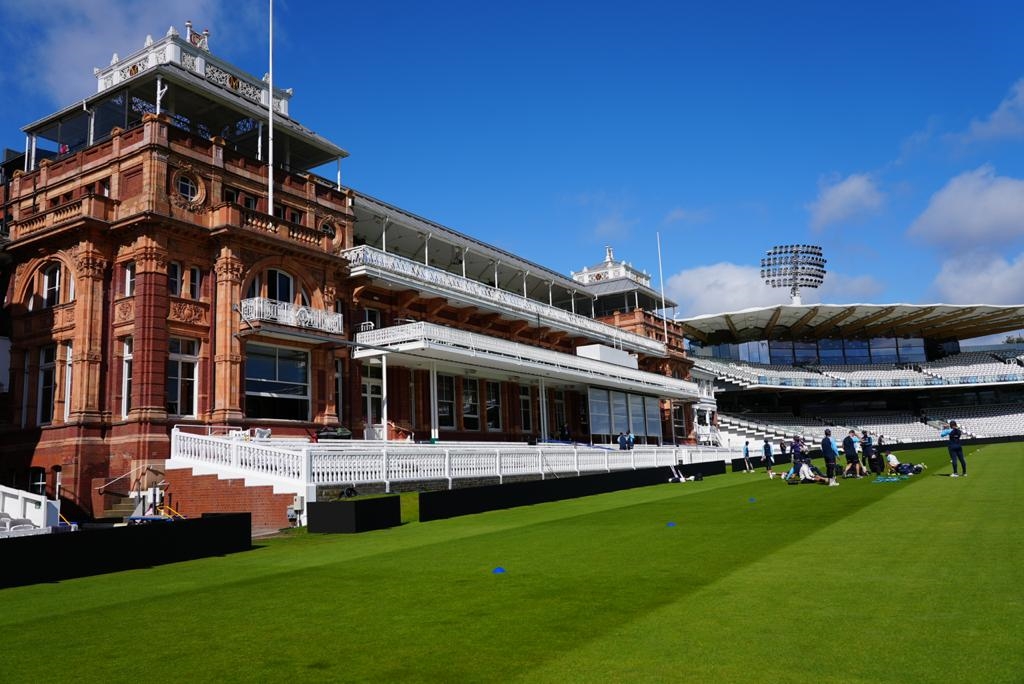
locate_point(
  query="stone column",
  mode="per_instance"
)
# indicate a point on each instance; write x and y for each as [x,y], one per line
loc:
[227,356]
[149,370]
[87,341]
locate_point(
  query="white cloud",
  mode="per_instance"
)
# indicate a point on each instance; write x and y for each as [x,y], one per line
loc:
[730,287]
[975,208]
[614,226]
[681,215]
[62,40]
[981,278]
[844,200]
[1006,122]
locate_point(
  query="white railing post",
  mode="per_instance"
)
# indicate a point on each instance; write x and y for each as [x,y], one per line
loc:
[497,465]
[540,463]
[576,459]
[632,459]
[606,466]
[233,452]
[384,466]
[306,468]
[448,467]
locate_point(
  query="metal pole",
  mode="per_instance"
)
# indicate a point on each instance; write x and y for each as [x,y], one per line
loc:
[384,394]
[270,118]
[661,277]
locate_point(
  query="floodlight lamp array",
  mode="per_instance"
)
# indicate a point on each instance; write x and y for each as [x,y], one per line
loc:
[793,266]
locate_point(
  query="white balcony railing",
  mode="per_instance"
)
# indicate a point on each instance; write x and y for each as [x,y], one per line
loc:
[482,347]
[300,468]
[365,260]
[284,313]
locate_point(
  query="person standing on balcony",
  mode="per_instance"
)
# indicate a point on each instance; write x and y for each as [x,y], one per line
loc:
[630,440]
[623,443]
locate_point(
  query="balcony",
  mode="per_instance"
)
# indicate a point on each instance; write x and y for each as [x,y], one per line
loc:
[269,314]
[465,350]
[90,206]
[391,268]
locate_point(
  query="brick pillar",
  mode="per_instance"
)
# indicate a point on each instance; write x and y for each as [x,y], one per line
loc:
[227,356]
[87,349]
[149,370]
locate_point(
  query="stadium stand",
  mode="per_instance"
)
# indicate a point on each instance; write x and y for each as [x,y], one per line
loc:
[897,427]
[974,367]
[983,421]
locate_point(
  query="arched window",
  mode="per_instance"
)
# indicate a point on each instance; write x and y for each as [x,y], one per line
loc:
[51,285]
[277,285]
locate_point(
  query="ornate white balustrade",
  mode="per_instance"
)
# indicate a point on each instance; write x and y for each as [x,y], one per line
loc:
[285,313]
[498,352]
[301,468]
[365,260]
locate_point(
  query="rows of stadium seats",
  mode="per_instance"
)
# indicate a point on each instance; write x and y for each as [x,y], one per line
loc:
[983,421]
[963,368]
[896,426]
[970,367]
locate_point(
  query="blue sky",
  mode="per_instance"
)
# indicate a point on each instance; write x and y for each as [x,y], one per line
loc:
[890,133]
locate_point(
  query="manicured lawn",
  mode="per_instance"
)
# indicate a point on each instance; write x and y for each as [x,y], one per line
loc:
[916,581]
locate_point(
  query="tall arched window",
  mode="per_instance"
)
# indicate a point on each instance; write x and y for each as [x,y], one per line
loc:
[51,285]
[277,285]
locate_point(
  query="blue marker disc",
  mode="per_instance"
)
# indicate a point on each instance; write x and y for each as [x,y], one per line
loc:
[498,570]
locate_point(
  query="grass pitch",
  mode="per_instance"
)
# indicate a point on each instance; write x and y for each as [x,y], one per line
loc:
[755,582]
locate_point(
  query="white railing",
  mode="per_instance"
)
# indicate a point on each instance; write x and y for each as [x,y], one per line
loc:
[285,313]
[366,260]
[24,505]
[300,468]
[481,346]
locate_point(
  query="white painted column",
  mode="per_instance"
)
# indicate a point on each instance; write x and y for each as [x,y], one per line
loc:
[434,427]
[543,396]
[426,249]
[525,273]
[384,394]
[465,255]
[551,298]
[573,293]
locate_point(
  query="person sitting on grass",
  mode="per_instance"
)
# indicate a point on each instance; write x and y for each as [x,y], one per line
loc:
[808,473]
[891,462]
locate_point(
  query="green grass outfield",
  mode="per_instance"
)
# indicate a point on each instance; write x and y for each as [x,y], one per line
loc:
[916,581]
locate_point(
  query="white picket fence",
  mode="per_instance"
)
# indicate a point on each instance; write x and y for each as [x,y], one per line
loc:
[299,467]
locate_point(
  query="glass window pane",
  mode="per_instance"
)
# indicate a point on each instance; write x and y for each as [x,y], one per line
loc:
[600,412]
[620,422]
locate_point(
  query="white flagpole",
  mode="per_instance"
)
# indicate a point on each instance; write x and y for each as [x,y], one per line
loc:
[270,109]
[661,277]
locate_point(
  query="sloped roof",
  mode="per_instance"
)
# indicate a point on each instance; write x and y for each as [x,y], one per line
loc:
[817,321]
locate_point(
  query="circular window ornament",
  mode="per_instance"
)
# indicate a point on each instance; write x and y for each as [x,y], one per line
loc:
[187,189]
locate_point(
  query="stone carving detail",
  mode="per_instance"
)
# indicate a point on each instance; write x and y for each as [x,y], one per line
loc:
[228,269]
[188,312]
[124,311]
[90,265]
[151,258]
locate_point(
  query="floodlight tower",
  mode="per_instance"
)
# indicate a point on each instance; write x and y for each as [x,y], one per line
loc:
[793,266]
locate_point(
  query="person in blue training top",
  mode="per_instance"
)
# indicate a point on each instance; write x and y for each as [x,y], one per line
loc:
[956,450]
[746,458]
[769,461]
[828,450]
[630,440]
[623,443]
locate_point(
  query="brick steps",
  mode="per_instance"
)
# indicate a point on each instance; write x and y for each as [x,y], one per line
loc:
[192,495]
